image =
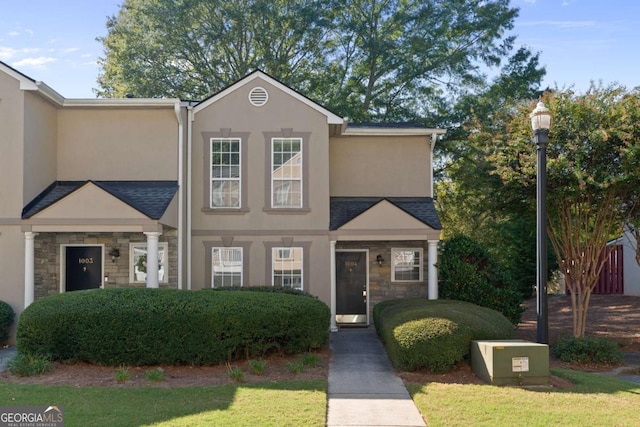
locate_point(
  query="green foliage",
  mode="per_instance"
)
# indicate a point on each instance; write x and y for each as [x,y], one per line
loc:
[167,326]
[392,60]
[295,366]
[235,373]
[122,374]
[27,365]
[257,366]
[310,360]
[155,375]
[436,335]
[273,289]
[469,273]
[587,350]
[6,320]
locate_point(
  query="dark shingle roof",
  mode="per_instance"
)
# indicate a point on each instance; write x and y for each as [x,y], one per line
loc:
[149,197]
[344,209]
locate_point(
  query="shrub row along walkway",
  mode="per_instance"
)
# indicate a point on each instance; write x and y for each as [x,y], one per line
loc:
[363,387]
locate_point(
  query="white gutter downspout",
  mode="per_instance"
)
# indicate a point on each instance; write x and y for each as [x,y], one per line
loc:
[180,192]
[434,138]
[189,143]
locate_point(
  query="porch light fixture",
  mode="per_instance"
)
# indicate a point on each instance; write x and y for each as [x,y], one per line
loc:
[114,254]
[540,123]
[380,260]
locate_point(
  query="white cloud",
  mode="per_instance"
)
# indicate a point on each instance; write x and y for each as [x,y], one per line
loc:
[70,50]
[14,33]
[9,52]
[38,62]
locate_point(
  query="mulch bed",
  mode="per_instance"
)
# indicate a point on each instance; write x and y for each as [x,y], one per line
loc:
[615,317]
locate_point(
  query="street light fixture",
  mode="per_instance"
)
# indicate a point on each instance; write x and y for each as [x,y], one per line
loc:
[541,122]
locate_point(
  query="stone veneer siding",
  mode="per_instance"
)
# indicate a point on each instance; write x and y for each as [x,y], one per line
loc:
[380,286]
[47,258]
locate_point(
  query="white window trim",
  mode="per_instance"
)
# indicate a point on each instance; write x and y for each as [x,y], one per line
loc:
[163,247]
[273,180]
[275,251]
[211,178]
[420,264]
[239,248]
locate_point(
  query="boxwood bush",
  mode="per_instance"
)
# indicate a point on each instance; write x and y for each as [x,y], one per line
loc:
[436,335]
[169,326]
[6,320]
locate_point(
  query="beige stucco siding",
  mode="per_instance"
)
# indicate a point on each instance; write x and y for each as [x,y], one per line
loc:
[117,144]
[256,254]
[11,147]
[396,166]
[12,267]
[282,116]
[40,145]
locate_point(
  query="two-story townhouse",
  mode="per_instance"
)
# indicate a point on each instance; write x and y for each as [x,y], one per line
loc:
[255,185]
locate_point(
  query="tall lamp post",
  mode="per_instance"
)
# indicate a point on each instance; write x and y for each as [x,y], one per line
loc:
[541,122]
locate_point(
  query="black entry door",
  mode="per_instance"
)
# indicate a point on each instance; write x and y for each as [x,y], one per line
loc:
[83,267]
[351,287]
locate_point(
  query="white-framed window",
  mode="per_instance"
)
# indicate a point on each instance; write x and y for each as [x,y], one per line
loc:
[286,172]
[287,267]
[225,172]
[226,267]
[138,262]
[406,265]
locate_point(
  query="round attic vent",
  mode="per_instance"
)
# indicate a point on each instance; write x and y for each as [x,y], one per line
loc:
[258,96]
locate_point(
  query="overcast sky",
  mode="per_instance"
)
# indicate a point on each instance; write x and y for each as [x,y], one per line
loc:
[580,40]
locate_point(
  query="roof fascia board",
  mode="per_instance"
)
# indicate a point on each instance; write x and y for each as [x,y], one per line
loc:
[124,103]
[331,118]
[392,131]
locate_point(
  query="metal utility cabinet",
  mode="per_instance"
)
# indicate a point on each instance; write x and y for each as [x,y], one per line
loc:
[510,362]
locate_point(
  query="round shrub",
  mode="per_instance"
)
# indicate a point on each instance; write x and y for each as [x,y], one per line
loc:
[469,273]
[6,320]
[169,326]
[587,350]
[435,335]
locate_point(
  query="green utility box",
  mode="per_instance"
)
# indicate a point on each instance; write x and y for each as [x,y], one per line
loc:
[510,362]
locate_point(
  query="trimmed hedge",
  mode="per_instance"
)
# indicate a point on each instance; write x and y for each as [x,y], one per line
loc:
[6,320]
[436,335]
[587,350]
[168,326]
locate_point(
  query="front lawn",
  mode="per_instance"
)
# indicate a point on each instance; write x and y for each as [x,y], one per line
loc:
[286,403]
[593,400]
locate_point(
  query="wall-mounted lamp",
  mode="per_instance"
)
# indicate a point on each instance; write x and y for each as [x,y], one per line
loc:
[114,254]
[380,260]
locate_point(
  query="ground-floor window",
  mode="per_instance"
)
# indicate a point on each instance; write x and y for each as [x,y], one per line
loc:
[287,267]
[226,267]
[406,264]
[138,262]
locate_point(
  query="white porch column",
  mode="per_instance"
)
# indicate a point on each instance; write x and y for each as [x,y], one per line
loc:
[152,258]
[332,256]
[29,267]
[433,271]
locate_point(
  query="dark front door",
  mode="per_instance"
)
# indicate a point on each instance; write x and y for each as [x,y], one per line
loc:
[83,267]
[351,287]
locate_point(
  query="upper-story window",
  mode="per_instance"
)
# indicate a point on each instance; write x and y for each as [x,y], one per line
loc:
[286,172]
[225,173]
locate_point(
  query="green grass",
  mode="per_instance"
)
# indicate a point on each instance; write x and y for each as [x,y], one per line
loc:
[593,400]
[285,403]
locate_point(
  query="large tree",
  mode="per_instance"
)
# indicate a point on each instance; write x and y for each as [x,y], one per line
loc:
[378,60]
[593,175]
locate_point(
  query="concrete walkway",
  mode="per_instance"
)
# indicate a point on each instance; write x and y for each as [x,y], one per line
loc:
[363,387]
